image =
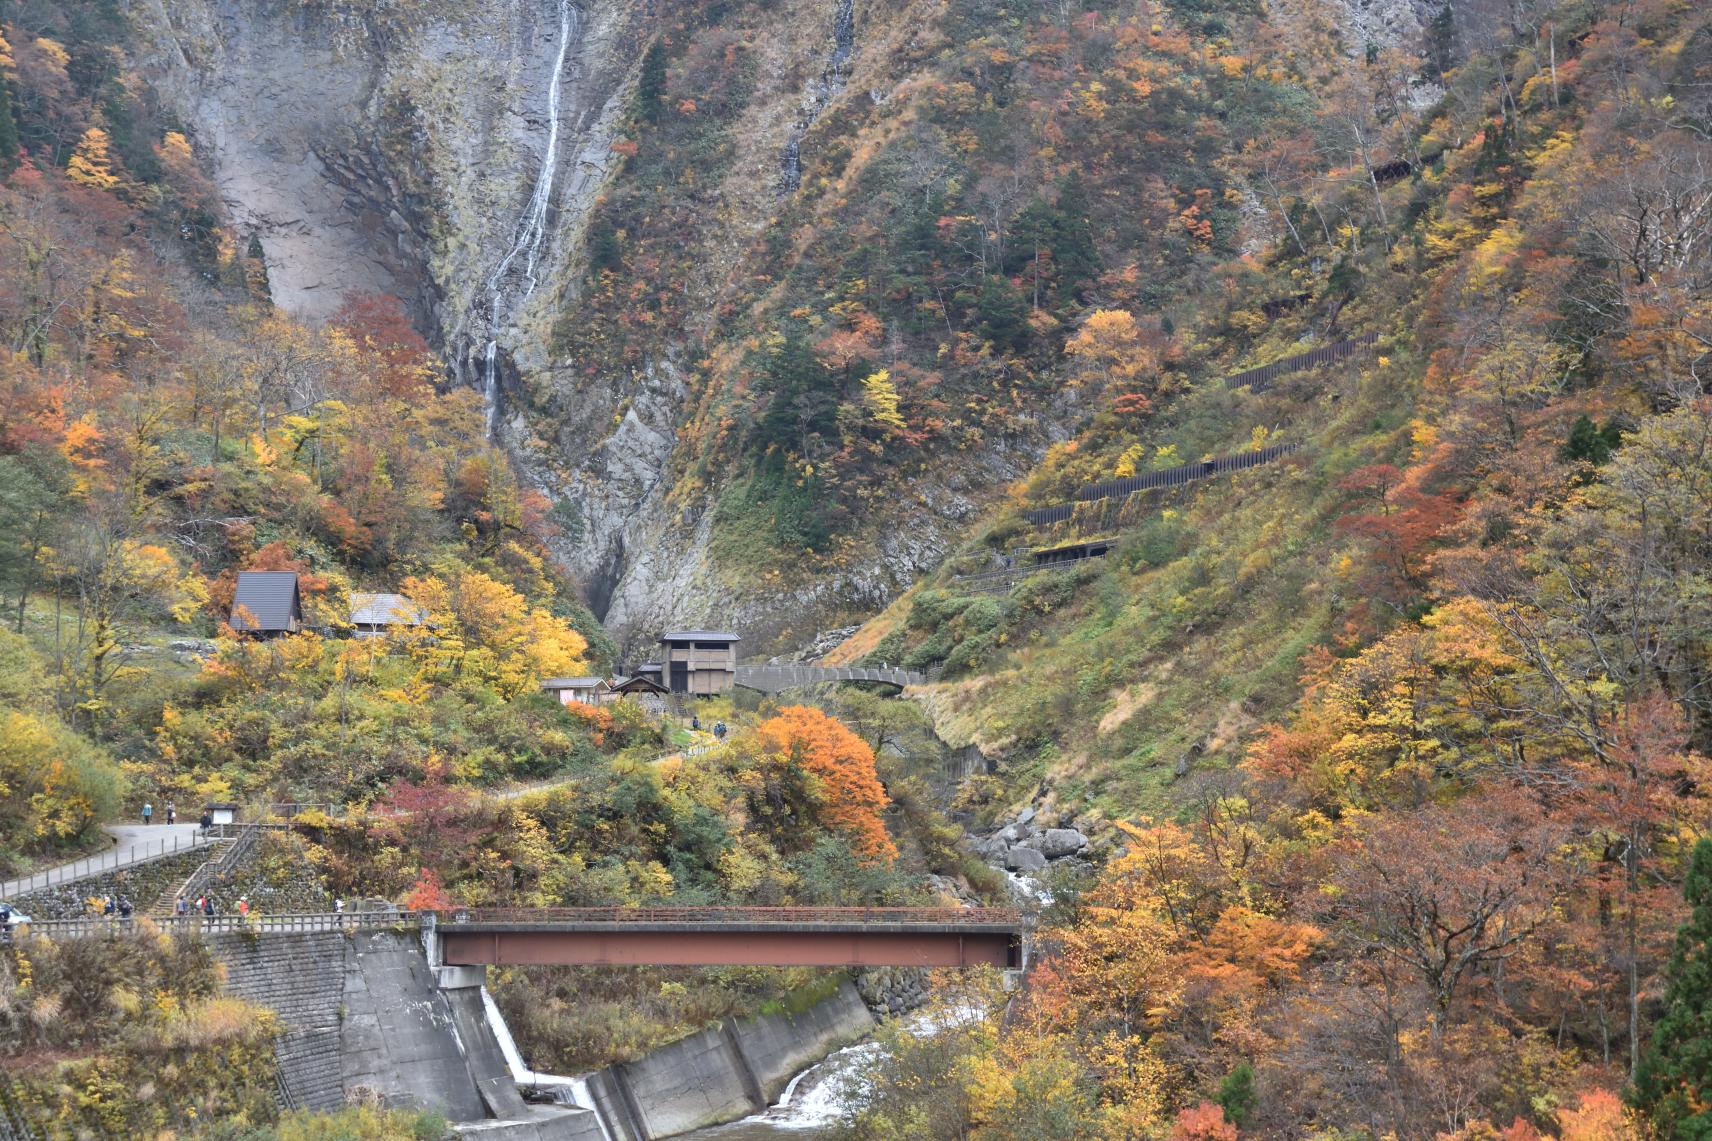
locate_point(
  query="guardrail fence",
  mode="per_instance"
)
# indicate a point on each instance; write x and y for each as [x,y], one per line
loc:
[114,860]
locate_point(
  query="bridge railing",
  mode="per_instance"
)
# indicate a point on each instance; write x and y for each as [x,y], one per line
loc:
[313,921]
[301,921]
[691,915]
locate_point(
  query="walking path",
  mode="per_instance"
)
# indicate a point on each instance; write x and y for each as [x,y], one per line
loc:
[133,844]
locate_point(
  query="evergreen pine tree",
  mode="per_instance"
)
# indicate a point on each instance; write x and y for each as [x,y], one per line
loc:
[603,245]
[1674,1081]
[1586,442]
[1236,1094]
[1077,257]
[9,141]
[1003,312]
[651,84]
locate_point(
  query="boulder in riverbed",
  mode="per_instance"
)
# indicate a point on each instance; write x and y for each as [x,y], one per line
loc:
[1025,860]
[1060,842]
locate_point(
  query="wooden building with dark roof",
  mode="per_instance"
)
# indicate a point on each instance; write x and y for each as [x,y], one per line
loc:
[700,662]
[267,604]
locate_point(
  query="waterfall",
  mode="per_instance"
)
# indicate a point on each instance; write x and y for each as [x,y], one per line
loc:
[566,1091]
[819,93]
[524,256]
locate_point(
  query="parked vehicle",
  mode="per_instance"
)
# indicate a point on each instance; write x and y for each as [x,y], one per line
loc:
[11,919]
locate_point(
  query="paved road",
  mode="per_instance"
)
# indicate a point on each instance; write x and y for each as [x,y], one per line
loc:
[133,843]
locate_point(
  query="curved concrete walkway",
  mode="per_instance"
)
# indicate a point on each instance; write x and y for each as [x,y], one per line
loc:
[132,844]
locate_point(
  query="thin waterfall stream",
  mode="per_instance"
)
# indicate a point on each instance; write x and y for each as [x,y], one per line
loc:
[524,256]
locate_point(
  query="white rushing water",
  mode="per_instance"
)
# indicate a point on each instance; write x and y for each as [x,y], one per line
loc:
[566,1091]
[820,1095]
[524,256]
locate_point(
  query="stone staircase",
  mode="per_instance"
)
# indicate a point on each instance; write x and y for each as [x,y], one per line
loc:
[228,856]
[162,907]
[302,978]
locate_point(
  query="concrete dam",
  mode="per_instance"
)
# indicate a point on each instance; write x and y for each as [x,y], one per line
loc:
[367,1015]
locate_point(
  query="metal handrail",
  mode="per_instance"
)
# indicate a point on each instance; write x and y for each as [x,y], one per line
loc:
[109,861]
[972,916]
[287,922]
[316,921]
[225,863]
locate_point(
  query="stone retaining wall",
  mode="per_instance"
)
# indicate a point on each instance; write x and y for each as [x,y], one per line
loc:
[144,883]
[301,978]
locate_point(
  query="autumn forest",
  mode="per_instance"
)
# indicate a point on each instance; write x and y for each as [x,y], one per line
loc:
[1388,749]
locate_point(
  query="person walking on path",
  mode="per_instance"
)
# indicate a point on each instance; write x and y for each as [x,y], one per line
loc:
[171,812]
[243,907]
[208,906]
[148,812]
[179,907]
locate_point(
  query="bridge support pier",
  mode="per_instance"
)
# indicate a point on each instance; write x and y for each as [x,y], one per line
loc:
[460,977]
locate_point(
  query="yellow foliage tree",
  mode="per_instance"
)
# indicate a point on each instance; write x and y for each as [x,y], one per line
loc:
[482,630]
[1110,341]
[92,163]
[882,398]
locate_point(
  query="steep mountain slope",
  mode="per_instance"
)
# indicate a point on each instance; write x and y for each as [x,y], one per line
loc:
[1517,274]
[394,148]
[798,309]
[846,281]
[1400,740]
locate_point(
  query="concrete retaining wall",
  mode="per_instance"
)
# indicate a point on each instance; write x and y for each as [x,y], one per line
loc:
[544,1123]
[725,1073]
[363,1013]
[302,978]
[780,1046]
[399,1036]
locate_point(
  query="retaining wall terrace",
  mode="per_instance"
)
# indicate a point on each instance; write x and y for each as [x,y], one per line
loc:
[144,883]
[301,977]
[363,1016]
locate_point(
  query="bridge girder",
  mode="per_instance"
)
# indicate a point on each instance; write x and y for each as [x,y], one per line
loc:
[637,945]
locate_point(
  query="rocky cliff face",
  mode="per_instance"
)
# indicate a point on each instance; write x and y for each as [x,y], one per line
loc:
[825,77]
[394,147]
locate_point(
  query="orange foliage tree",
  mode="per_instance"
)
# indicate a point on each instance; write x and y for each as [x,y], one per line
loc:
[849,794]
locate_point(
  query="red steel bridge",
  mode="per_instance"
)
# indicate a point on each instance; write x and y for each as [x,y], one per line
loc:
[732,936]
[663,936]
